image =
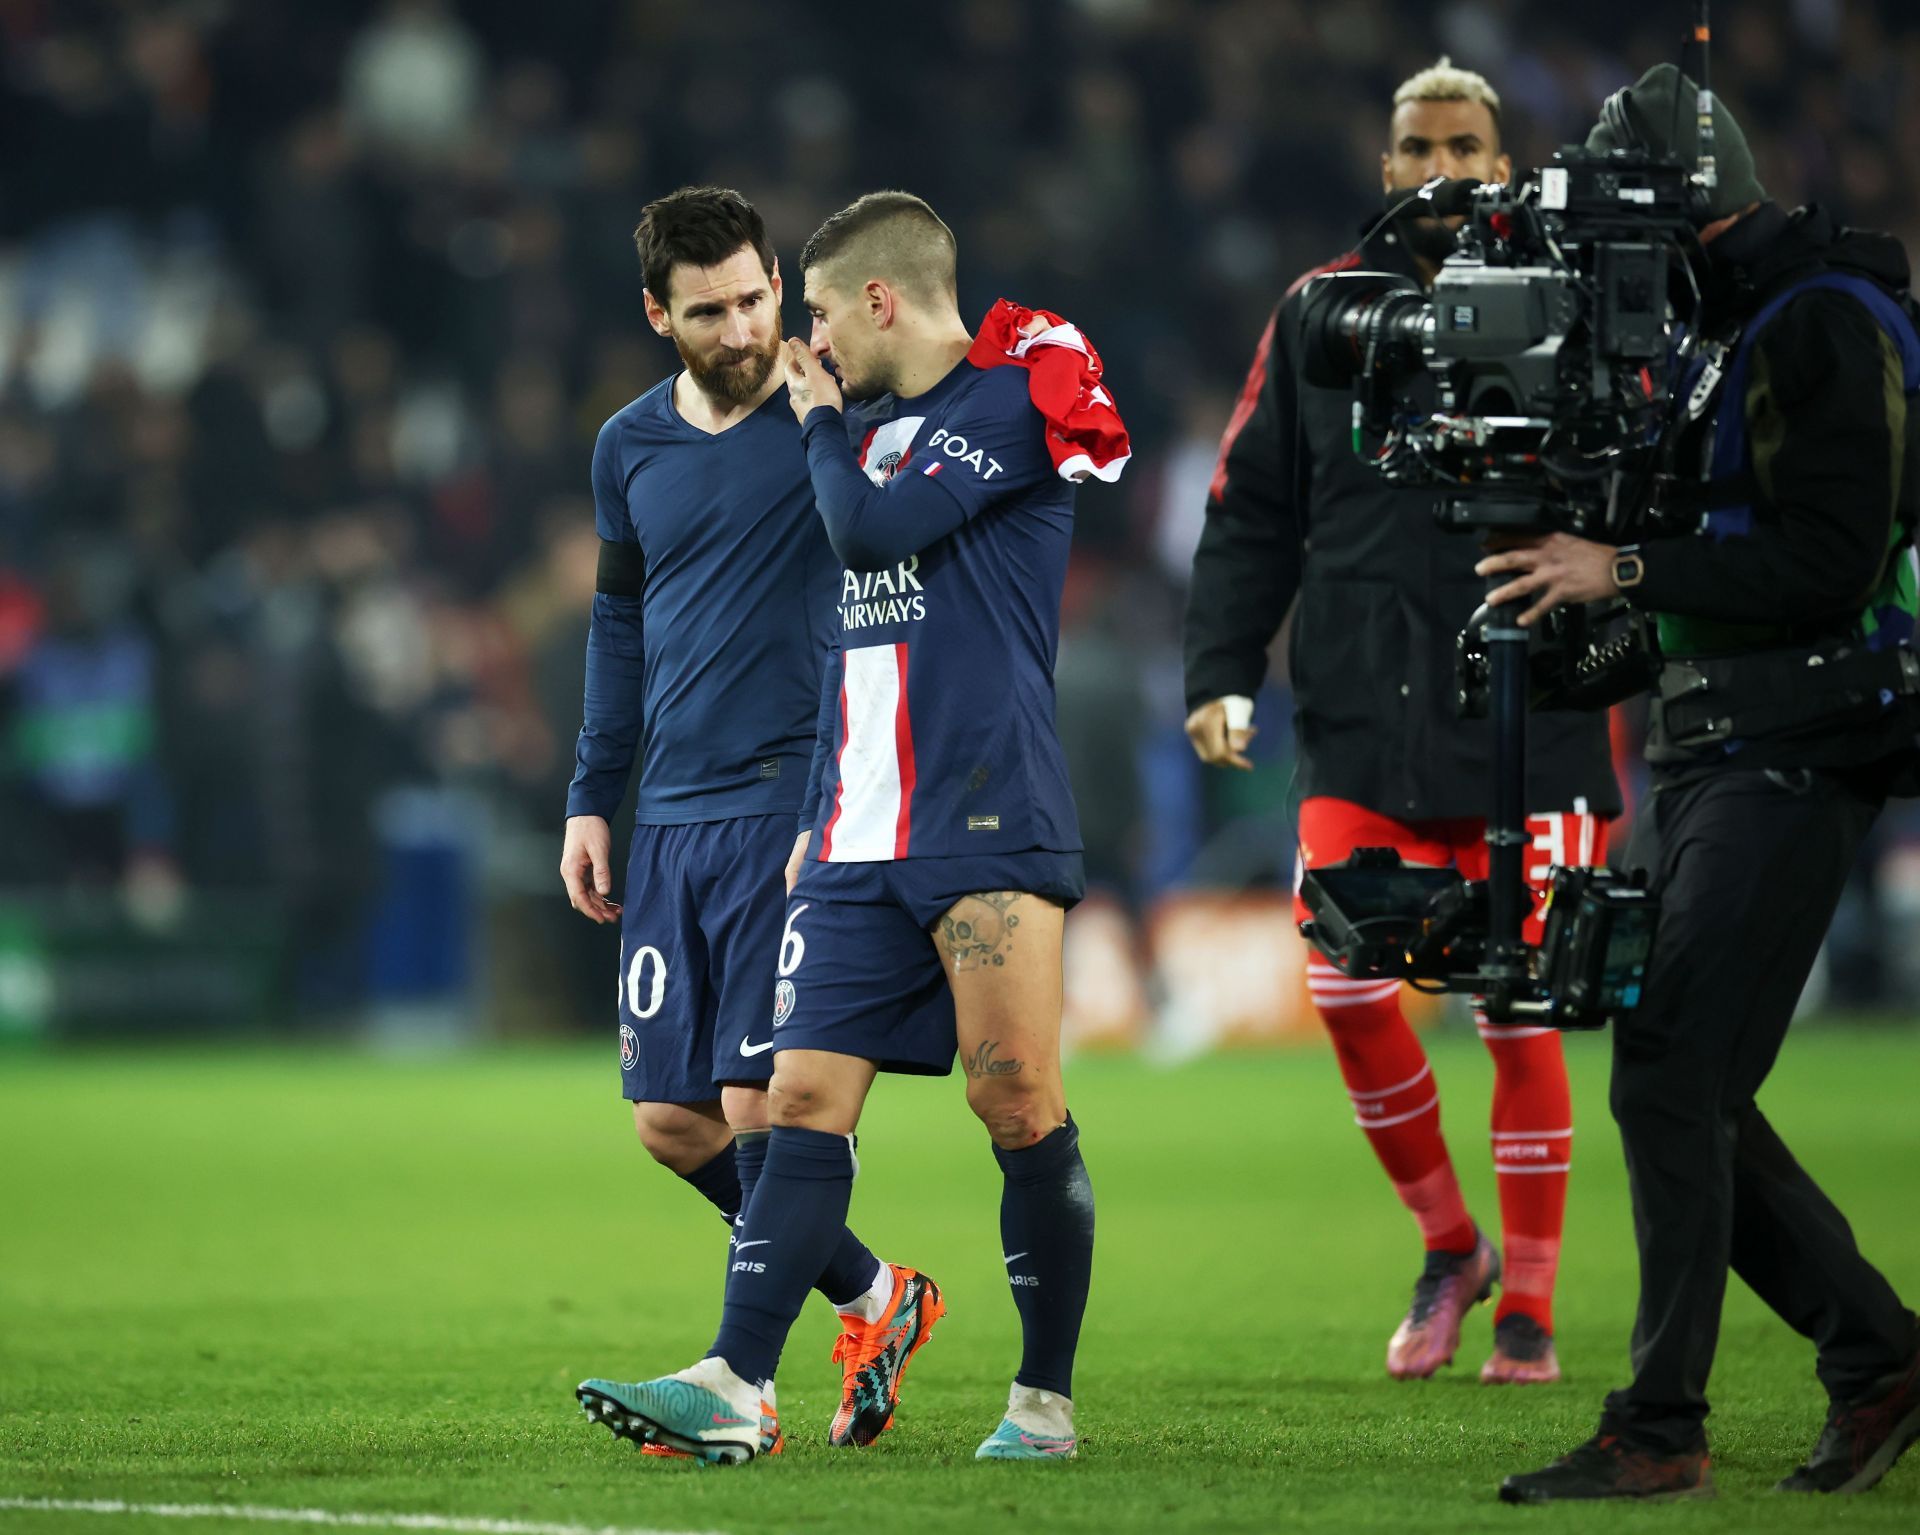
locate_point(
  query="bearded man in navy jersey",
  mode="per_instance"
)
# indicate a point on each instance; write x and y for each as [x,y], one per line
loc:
[715,594]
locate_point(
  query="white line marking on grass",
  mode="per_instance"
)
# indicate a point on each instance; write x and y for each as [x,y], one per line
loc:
[460,1523]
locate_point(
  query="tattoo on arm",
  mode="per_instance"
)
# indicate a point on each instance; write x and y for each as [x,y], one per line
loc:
[978,931]
[982,1064]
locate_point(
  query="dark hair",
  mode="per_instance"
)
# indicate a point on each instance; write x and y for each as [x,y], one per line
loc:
[701,226]
[897,234]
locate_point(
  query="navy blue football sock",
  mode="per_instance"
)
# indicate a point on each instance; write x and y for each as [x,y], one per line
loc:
[1046,1226]
[852,1269]
[797,1214]
[721,1181]
[749,1156]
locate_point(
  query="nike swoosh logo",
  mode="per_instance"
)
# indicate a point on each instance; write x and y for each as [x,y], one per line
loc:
[741,1247]
[1014,1257]
[747,1049]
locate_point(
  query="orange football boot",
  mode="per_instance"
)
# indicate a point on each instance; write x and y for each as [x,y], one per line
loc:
[873,1357]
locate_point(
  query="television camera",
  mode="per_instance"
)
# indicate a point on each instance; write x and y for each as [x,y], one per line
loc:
[1532,388]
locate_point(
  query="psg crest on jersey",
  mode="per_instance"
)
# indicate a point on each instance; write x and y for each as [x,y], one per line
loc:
[888,447]
[782,1003]
[629,1047]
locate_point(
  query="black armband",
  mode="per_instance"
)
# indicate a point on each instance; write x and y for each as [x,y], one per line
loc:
[623,569]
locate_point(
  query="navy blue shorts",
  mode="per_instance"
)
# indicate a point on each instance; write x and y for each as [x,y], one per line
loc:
[699,930]
[859,973]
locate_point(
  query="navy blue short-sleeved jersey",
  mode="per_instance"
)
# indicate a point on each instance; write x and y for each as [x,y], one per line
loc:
[938,716]
[719,657]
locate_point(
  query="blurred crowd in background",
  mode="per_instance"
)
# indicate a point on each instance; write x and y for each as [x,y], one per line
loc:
[309,313]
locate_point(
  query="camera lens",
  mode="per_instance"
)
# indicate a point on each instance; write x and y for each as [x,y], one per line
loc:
[1348,316]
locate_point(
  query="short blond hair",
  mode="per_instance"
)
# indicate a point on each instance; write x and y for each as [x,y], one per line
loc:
[1442,81]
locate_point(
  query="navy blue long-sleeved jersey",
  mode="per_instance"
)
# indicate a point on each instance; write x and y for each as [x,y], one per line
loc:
[937,733]
[712,673]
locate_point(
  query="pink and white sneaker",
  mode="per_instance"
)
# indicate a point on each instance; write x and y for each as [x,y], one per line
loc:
[1429,1334]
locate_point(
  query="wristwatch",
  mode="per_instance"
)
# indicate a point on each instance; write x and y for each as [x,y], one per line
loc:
[1628,568]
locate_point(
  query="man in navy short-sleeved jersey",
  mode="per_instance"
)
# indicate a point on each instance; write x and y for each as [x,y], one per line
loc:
[712,615]
[939,848]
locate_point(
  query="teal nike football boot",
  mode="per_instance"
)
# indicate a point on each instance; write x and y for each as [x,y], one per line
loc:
[706,1411]
[1038,1426]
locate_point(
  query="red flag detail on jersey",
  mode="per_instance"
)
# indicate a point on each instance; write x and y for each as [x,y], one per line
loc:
[1085,434]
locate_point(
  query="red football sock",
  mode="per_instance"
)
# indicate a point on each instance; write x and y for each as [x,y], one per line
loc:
[1532,1151]
[1395,1099]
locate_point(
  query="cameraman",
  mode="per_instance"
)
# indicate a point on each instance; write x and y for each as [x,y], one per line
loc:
[1777,732]
[1384,761]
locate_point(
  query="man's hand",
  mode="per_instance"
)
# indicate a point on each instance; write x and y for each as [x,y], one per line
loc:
[585,868]
[1214,741]
[1556,569]
[808,384]
[796,859]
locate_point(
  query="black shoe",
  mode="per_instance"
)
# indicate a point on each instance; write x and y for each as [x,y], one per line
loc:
[1860,1443]
[1606,1466]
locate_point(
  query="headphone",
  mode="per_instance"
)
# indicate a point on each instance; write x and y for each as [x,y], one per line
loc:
[1618,121]
[1619,124]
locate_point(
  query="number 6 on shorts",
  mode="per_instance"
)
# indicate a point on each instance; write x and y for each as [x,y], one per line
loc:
[793,948]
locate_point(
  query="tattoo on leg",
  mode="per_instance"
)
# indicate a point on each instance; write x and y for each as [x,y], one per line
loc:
[979,930]
[982,1064]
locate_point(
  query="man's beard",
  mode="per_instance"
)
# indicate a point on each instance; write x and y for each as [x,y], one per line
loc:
[1428,239]
[732,375]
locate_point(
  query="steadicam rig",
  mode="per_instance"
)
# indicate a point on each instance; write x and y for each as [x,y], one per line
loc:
[1531,389]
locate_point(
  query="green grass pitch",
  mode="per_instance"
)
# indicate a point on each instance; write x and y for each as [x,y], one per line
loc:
[341,1282]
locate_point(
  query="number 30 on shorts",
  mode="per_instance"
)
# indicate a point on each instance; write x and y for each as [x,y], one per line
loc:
[646,981]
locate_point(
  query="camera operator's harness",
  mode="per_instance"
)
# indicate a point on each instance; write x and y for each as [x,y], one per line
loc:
[1706,700]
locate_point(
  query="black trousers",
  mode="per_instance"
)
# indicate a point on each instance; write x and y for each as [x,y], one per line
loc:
[1750,867]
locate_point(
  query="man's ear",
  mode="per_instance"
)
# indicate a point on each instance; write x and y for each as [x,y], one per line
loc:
[1386,171]
[1503,169]
[656,314]
[778,288]
[883,305]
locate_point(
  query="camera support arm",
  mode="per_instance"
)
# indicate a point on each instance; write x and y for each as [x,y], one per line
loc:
[1505,967]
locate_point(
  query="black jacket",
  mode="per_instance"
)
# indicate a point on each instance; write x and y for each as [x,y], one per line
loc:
[1836,467]
[1383,594]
